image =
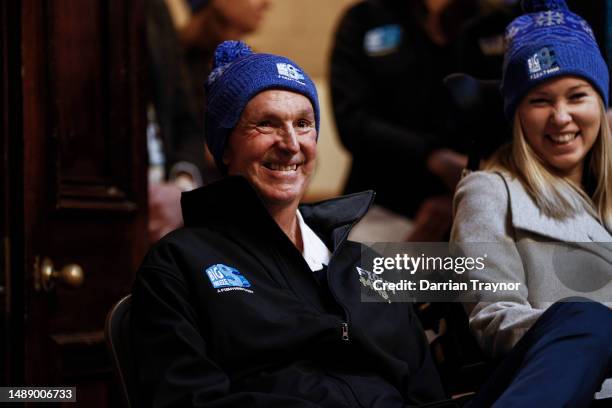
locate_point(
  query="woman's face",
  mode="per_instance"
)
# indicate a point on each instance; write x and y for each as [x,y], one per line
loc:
[561,119]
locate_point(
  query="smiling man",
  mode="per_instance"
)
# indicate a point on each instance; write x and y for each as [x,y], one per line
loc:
[256,301]
[274,146]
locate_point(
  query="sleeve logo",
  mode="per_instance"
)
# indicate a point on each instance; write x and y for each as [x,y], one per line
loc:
[223,276]
[382,40]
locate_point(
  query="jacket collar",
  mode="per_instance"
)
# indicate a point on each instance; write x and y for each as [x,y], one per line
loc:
[333,219]
[233,201]
[527,216]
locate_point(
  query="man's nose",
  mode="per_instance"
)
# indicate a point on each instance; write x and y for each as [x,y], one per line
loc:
[289,141]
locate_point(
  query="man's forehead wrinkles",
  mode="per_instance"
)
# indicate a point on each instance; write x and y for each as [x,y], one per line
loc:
[278,112]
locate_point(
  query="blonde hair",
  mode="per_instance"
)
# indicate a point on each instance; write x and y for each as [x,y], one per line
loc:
[555,195]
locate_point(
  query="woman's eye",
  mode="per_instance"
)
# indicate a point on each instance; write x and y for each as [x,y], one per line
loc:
[577,96]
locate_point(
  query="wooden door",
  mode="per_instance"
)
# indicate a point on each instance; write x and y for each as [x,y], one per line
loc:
[79,149]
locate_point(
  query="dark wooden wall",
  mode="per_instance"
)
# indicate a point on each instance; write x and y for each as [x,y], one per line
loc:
[73,184]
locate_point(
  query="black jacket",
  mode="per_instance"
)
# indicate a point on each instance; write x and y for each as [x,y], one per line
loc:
[273,337]
[390,105]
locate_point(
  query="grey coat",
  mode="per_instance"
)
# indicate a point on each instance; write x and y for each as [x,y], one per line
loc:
[550,258]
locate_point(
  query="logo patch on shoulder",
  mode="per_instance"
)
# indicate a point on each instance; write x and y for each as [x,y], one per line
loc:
[225,278]
[382,40]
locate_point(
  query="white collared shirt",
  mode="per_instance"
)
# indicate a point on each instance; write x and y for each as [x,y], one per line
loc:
[315,252]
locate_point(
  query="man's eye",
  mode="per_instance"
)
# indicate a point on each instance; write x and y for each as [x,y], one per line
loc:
[303,123]
[264,123]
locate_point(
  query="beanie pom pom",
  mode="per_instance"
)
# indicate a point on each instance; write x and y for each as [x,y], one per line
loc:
[534,6]
[229,51]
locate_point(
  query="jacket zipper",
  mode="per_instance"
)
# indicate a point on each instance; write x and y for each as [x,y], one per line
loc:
[345,331]
[344,326]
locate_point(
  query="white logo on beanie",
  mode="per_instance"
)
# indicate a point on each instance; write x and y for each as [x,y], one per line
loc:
[542,63]
[288,71]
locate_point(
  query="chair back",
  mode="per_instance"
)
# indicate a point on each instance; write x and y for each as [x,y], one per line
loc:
[117,335]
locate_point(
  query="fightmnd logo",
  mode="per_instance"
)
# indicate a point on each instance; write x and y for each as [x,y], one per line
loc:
[223,276]
[542,63]
[383,40]
[288,71]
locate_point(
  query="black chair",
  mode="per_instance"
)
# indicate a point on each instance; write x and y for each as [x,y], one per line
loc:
[116,333]
[462,366]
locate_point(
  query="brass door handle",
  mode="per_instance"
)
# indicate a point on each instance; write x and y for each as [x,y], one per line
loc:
[46,276]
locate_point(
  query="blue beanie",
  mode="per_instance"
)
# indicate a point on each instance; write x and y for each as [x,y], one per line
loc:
[547,42]
[238,75]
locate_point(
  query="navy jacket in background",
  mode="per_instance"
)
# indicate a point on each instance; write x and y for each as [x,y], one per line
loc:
[390,104]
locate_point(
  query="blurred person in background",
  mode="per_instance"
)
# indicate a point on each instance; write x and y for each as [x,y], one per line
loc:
[481,43]
[211,23]
[181,56]
[390,106]
[175,130]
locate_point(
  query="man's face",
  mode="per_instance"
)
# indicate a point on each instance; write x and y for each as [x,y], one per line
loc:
[244,15]
[274,146]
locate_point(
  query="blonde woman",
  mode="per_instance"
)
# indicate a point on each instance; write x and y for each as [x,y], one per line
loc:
[550,185]
[543,206]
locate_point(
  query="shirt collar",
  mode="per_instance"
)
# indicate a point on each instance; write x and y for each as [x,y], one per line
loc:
[315,252]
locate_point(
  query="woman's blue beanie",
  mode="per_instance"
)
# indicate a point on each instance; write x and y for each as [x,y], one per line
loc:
[238,75]
[547,42]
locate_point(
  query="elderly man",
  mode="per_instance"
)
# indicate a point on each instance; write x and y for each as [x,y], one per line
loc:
[255,302]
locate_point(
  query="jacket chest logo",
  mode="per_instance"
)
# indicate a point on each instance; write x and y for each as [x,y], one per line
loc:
[367,279]
[225,278]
